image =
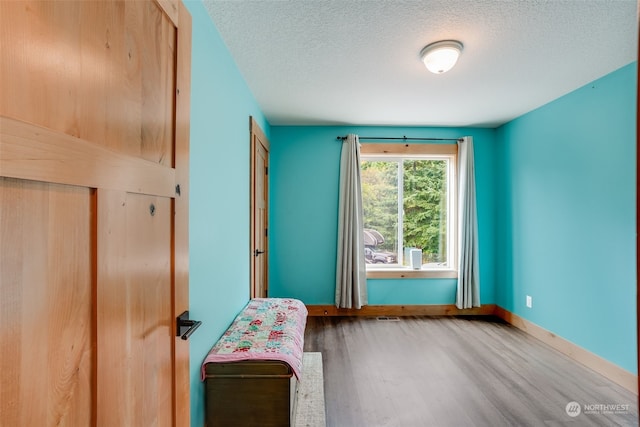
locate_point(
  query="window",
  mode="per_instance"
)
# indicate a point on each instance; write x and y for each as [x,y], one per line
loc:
[409,203]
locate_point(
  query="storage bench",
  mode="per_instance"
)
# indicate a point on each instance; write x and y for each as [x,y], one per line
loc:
[251,373]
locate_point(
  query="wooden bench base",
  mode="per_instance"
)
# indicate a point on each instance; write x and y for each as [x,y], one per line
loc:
[250,393]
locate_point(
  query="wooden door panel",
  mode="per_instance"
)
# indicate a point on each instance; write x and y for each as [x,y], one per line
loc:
[36,153]
[259,287]
[94,129]
[261,220]
[110,79]
[134,321]
[47,258]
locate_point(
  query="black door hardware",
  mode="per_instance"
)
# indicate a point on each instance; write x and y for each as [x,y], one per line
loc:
[186,327]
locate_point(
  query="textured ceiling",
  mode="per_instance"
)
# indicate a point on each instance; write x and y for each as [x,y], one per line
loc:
[357,62]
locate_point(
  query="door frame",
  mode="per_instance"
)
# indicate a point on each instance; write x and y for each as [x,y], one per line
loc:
[257,136]
[181,362]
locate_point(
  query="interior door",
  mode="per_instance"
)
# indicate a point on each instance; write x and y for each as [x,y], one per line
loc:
[259,211]
[94,146]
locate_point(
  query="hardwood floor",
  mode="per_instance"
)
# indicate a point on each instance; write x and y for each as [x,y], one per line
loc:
[448,371]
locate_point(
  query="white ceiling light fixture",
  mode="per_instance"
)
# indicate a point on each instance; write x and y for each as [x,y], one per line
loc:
[440,57]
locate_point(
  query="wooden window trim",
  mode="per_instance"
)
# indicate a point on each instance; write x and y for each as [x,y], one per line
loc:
[404,149]
[407,273]
[408,149]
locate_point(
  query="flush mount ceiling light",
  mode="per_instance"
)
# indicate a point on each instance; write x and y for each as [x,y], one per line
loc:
[440,57]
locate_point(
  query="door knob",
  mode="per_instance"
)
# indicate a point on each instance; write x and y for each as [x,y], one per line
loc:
[257,252]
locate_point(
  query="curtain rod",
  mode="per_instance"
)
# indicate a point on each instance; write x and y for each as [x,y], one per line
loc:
[404,138]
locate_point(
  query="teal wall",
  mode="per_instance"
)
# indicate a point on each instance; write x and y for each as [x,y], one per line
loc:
[556,210]
[221,105]
[566,214]
[304,177]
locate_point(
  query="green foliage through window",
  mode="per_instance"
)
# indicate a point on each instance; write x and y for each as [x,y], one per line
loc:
[411,192]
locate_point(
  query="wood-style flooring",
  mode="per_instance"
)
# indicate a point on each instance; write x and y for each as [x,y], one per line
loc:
[458,372]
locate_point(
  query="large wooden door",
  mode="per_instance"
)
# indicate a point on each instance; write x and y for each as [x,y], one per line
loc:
[94,146]
[259,211]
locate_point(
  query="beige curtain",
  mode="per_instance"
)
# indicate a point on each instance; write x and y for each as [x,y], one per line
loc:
[468,293]
[351,279]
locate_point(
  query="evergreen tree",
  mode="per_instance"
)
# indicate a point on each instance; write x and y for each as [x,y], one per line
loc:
[424,205]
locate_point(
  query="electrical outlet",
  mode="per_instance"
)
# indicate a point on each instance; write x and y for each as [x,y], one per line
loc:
[529,301]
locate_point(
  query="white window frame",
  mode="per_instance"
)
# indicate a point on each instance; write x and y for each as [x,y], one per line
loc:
[394,152]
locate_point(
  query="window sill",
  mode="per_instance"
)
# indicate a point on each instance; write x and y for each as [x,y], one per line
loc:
[400,273]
